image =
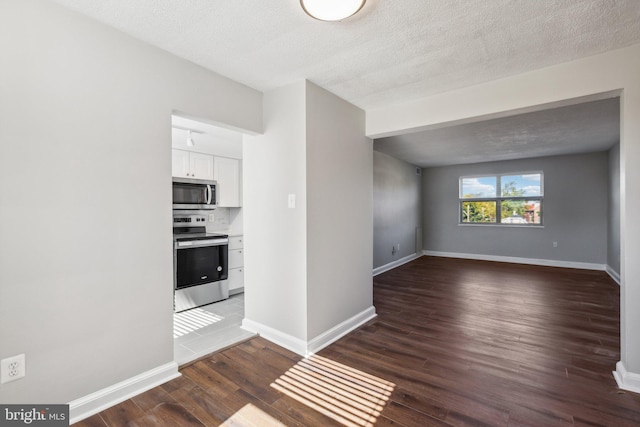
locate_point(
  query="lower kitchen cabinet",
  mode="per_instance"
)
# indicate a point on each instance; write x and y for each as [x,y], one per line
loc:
[236,264]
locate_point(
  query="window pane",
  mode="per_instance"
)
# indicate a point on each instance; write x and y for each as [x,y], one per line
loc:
[521,212]
[477,188]
[478,211]
[521,185]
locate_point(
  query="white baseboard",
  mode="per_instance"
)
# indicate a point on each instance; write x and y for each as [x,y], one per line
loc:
[613,274]
[338,331]
[518,260]
[394,264]
[303,348]
[283,340]
[626,380]
[93,403]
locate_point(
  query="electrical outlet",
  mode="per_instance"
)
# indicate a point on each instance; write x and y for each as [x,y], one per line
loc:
[212,217]
[12,368]
[555,244]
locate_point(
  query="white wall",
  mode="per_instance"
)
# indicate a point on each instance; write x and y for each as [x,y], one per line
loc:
[85,196]
[308,269]
[339,206]
[611,72]
[275,254]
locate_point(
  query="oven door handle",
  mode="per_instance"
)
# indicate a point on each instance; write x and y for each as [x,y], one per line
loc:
[201,243]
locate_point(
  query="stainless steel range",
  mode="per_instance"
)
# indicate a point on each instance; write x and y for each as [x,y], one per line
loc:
[199,263]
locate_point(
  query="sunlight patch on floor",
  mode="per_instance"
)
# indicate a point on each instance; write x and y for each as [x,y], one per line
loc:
[251,415]
[349,396]
[192,320]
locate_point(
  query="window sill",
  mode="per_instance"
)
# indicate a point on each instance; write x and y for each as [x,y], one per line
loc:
[499,225]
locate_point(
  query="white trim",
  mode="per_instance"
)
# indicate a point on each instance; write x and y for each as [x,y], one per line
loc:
[613,274]
[100,400]
[340,330]
[303,348]
[518,260]
[394,264]
[501,225]
[283,340]
[626,380]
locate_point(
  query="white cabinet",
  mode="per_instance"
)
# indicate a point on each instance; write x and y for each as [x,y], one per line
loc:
[236,264]
[201,166]
[180,164]
[236,281]
[186,164]
[226,172]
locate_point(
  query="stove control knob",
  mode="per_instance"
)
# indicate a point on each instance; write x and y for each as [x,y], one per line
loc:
[219,268]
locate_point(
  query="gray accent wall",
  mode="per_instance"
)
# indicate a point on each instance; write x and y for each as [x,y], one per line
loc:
[613,221]
[397,209]
[574,211]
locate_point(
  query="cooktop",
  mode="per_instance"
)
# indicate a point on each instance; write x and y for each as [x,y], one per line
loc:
[194,233]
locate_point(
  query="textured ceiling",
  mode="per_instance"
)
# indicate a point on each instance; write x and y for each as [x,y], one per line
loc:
[587,127]
[392,51]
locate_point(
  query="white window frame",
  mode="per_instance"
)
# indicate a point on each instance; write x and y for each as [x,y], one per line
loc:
[499,198]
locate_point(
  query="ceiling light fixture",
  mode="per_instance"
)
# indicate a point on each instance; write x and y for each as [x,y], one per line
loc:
[190,142]
[331,10]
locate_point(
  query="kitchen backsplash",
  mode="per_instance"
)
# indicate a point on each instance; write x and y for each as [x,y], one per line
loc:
[221,222]
[225,220]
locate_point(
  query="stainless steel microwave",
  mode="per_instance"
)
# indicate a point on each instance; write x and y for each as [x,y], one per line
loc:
[194,194]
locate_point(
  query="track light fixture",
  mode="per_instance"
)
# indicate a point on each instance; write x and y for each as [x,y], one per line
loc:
[190,133]
[190,142]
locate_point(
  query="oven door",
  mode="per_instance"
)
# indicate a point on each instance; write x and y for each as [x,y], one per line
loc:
[200,261]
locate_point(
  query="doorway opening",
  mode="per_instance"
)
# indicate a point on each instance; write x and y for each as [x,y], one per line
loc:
[203,152]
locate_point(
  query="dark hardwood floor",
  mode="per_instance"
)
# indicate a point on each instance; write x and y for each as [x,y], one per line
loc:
[456,343]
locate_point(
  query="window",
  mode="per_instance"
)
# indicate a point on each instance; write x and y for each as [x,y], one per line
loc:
[502,199]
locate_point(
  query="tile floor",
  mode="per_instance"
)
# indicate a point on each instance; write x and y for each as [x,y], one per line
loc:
[203,330]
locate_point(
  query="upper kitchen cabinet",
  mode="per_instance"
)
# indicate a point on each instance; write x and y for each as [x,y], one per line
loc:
[226,172]
[186,164]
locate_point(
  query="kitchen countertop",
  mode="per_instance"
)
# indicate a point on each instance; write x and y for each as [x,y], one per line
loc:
[230,233]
